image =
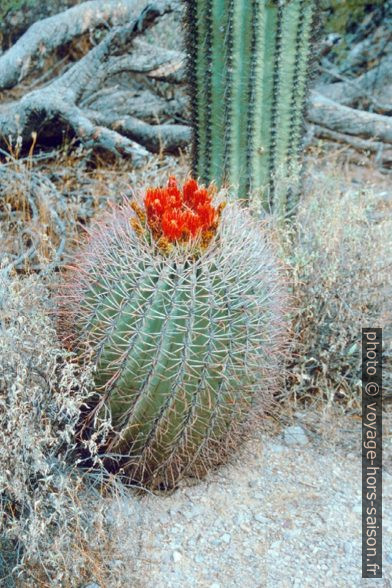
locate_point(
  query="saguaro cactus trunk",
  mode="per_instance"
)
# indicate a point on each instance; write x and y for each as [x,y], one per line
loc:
[248,69]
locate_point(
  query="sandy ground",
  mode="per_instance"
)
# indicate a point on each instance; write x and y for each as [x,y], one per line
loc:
[286,512]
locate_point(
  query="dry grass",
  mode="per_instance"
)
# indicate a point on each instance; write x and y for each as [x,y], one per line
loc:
[340,253]
[45,203]
[53,524]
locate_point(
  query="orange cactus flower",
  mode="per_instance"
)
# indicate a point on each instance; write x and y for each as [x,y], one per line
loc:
[188,190]
[175,214]
[173,223]
[155,201]
[173,194]
[192,222]
[206,214]
[201,197]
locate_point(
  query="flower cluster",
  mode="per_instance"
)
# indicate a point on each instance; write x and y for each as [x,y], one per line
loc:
[178,214]
[175,215]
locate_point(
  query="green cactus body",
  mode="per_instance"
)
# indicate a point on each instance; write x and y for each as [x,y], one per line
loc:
[247,70]
[185,349]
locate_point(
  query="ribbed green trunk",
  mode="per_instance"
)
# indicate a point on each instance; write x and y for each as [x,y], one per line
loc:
[166,353]
[247,71]
[186,346]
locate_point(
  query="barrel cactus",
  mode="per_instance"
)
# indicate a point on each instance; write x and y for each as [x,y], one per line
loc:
[180,302]
[248,71]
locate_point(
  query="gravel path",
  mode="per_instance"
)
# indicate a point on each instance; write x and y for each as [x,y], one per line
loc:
[285,512]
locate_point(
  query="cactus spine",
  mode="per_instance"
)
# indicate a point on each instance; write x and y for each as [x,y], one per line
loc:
[247,70]
[185,347]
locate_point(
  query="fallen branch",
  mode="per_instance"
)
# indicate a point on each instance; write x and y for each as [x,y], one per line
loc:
[151,60]
[349,91]
[329,114]
[140,104]
[54,109]
[383,155]
[88,74]
[46,35]
[156,138]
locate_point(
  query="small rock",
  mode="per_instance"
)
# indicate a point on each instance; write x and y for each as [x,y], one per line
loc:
[261,518]
[199,559]
[193,512]
[245,527]
[166,557]
[388,557]
[164,518]
[177,529]
[177,556]
[295,435]
[290,534]
[241,518]
[226,537]
[215,585]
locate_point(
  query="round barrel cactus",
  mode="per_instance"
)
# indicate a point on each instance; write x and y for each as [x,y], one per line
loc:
[179,300]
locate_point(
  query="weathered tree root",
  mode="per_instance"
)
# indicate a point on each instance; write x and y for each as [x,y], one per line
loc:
[343,119]
[55,109]
[46,35]
[383,154]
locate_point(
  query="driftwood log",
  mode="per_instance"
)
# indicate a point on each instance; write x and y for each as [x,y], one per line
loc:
[115,98]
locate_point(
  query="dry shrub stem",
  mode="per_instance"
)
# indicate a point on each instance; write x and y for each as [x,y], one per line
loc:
[342,281]
[52,519]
